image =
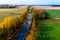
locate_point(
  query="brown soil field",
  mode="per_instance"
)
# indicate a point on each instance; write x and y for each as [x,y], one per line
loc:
[45,7]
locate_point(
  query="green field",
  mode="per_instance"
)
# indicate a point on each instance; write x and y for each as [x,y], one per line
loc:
[49,29]
[53,13]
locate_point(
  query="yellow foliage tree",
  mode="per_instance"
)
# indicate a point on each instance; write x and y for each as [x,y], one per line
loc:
[11,22]
[1,25]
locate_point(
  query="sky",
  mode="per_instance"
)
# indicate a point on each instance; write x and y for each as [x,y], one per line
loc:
[30,2]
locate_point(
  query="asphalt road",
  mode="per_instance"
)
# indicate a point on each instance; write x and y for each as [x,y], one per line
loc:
[21,35]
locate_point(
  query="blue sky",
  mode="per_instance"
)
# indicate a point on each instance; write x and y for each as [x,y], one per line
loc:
[30,2]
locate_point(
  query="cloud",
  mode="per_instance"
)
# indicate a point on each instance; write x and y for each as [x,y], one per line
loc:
[30,2]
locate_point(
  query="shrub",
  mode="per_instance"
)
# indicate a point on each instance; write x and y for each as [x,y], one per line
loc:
[9,22]
[38,13]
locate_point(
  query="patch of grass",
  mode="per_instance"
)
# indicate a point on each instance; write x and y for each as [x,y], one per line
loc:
[48,30]
[54,13]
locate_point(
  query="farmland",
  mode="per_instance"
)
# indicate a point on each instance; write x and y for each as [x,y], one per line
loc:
[11,12]
[41,28]
[49,29]
[10,20]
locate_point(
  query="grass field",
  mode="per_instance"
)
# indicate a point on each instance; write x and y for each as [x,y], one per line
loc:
[50,29]
[54,13]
